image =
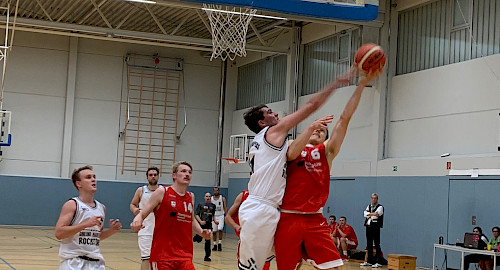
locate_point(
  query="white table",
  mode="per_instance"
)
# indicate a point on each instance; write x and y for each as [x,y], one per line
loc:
[463,250]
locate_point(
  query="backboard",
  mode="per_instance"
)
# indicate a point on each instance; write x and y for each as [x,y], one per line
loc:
[357,10]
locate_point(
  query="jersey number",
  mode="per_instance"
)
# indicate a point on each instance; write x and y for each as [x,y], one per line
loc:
[315,154]
[188,207]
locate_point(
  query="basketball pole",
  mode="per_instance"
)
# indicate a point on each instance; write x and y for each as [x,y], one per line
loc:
[220,130]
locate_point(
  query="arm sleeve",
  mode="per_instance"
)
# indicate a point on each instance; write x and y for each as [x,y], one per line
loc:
[380,210]
[366,212]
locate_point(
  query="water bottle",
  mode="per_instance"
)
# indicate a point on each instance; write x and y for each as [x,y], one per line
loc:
[441,240]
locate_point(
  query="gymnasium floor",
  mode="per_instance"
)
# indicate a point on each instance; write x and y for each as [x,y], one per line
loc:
[36,248]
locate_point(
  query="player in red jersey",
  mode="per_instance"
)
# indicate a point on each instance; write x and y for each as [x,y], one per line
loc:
[233,221]
[347,238]
[302,229]
[172,247]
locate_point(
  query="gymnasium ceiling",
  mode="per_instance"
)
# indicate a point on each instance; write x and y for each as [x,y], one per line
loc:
[170,23]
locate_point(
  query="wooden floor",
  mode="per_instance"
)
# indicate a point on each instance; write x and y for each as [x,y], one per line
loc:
[36,248]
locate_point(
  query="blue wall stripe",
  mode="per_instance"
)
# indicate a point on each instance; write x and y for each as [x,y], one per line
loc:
[42,199]
[418,210]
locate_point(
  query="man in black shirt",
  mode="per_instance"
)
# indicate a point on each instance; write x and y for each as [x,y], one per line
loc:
[204,214]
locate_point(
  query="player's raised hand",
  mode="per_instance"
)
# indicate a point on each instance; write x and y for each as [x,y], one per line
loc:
[115,225]
[322,122]
[371,75]
[346,78]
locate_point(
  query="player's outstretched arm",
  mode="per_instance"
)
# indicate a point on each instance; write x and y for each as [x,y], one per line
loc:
[134,204]
[63,227]
[233,210]
[339,130]
[277,134]
[153,203]
[297,145]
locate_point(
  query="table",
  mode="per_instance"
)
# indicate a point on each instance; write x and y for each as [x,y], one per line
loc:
[463,250]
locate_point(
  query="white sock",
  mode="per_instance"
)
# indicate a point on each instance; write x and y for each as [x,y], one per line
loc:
[345,253]
[220,241]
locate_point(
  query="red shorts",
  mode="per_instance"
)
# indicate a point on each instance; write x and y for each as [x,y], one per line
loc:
[305,236]
[172,265]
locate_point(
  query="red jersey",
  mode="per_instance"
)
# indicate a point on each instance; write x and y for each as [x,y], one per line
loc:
[351,235]
[173,228]
[235,215]
[332,227]
[308,180]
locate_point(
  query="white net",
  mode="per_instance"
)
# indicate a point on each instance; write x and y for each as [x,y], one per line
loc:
[229,30]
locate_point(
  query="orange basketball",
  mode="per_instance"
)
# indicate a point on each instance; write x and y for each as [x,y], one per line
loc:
[370,57]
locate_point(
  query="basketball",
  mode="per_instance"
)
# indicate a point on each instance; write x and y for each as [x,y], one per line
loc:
[370,57]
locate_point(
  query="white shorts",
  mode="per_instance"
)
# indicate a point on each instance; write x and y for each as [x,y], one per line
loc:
[81,264]
[144,242]
[258,220]
[219,227]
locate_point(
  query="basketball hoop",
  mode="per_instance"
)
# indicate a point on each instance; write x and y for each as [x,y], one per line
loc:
[229,30]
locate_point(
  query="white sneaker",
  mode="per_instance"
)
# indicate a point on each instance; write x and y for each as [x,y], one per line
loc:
[365,264]
[377,265]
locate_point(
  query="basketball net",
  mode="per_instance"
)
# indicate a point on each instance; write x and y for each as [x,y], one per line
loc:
[229,30]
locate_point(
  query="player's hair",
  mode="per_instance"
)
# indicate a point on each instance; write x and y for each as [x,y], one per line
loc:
[498,229]
[375,194]
[217,188]
[154,169]
[175,167]
[343,218]
[75,176]
[252,117]
[334,218]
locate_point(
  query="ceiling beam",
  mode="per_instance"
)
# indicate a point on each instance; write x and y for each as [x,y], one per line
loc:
[155,19]
[98,8]
[262,41]
[130,12]
[43,9]
[179,25]
[204,21]
[91,12]
[67,11]
[127,35]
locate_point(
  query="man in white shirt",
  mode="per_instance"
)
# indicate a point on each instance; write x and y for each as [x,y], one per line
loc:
[374,220]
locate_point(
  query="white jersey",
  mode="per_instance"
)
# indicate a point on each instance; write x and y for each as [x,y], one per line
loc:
[219,206]
[149,221]
[85,242]
[268,168]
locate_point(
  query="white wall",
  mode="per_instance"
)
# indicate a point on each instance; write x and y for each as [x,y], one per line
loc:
[36,92]
[451,109]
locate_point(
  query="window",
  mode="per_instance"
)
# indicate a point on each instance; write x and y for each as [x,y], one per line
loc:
[327,58]
[445,32]
[261,82]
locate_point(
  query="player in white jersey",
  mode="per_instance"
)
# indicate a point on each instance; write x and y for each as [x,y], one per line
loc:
[220,211]
[141,197]
[80,226]
[259,214]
